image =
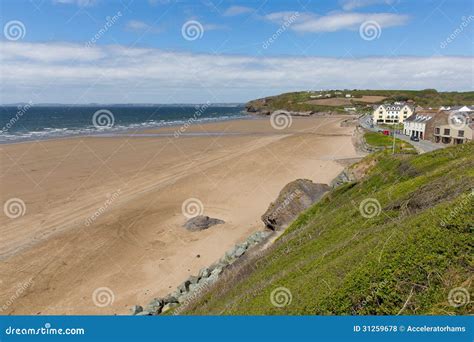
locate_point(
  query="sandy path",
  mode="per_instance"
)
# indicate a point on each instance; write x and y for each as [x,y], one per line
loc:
[136,247]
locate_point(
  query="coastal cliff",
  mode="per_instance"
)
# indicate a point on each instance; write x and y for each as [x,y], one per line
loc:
[396,240]
[292,103]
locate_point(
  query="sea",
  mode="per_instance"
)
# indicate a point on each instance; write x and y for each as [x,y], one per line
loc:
[27,122]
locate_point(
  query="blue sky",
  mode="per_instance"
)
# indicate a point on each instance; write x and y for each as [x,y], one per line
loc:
[79,51]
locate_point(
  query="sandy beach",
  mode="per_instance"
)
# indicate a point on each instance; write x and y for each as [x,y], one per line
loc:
[106,212]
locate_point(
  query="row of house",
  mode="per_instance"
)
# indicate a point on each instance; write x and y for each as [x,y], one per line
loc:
[446,125]
[442,126]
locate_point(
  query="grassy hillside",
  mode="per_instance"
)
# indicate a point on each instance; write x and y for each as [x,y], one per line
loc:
[302,101]
[424,98]
[335,260]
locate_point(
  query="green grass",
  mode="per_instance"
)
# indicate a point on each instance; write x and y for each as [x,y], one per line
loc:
[425,98]
[379,140]
[391,127]
[296,101]
[404,260]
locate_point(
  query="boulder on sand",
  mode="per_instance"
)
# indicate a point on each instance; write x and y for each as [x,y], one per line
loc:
[201,222]
[292,200]
[136,309]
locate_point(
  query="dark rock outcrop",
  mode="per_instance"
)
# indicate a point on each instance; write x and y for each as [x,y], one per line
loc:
[201,222]
[292,200]
[136,309]
[292,113]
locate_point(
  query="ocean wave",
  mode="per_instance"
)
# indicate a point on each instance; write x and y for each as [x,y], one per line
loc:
[63,132]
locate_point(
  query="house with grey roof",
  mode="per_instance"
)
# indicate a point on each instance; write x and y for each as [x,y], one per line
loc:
[415,125]
[458,108]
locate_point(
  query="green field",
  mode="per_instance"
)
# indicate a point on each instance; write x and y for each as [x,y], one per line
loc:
[296,101]
[397,241]
[424,98]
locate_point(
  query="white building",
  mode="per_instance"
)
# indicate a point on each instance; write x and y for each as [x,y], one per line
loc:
[415,125]
[458,108]
[394,113]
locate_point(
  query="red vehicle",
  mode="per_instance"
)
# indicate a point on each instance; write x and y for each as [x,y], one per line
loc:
[386,132]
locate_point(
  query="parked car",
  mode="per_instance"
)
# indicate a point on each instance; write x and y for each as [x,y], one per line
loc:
[413,138]
[386,132]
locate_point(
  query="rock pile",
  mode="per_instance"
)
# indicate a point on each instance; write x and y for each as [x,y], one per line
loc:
[343,178]
[294,198]
[194,285]
[201,222]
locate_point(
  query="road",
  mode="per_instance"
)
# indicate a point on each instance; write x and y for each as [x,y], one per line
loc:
[421,146]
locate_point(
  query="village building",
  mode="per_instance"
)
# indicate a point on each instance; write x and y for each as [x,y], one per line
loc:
[458,108]
[455,129]
[394,113]
[415,125]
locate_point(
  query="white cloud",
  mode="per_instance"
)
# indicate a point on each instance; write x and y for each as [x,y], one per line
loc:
[44,53]
[105,74]
[350,5]
[309,22]
[237,10]
[213,27]
[80,3]
[140,26]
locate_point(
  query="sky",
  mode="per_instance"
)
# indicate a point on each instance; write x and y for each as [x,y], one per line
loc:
[185,51]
